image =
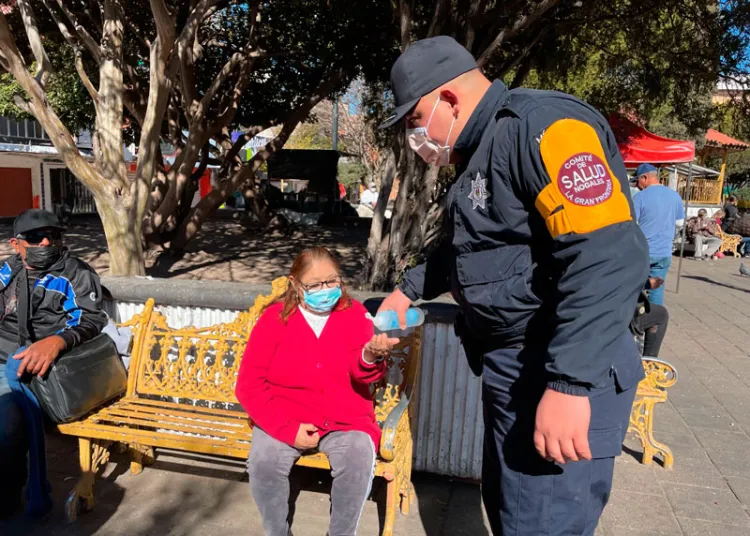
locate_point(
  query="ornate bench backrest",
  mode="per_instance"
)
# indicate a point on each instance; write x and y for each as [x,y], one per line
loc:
[194,366]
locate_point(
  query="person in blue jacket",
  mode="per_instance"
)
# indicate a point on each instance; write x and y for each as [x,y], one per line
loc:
[546,262]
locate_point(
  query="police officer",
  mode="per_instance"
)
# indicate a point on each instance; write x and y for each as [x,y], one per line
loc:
[546,263]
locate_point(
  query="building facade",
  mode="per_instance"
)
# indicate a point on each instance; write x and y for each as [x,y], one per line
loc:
[34,176]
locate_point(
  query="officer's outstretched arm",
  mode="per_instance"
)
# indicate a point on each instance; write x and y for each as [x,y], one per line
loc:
[600,256]
[430,279]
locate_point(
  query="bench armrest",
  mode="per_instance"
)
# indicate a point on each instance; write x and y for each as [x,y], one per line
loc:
[396,423]
[663,374]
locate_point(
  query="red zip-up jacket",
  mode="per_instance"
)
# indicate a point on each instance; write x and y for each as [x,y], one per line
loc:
[288,376]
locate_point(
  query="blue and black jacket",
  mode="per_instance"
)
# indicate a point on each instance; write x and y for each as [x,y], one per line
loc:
[542,246]
[66,300]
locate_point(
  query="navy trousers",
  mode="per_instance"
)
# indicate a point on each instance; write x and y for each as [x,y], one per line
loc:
[523,494]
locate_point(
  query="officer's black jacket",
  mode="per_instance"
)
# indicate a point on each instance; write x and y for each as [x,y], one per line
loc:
[542,247]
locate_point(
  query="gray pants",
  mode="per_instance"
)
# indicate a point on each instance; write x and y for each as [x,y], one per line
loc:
[712,244]
[352,457]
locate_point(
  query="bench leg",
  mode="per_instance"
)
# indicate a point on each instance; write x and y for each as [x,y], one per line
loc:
[391,499]
[642,423]
[403,477]
[93,454]
[407,499]
[141,455]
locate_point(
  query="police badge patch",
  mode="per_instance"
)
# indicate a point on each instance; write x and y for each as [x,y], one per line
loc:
[479,193]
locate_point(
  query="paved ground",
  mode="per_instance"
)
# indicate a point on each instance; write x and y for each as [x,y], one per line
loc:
[224,250]
[706,423]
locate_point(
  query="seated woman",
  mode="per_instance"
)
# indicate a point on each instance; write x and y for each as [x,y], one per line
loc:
[305,382]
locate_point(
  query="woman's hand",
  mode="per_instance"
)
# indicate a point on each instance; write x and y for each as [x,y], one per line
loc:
[379,346]
[308,437]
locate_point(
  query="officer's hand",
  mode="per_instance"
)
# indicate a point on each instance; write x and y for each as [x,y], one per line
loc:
[38,358]
[562,427]
[399,302]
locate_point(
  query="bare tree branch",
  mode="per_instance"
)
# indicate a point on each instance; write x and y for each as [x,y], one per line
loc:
[40,109]
[475,14]
[76,46]
[405,9]
[44,67]
[184,47]
[158,96]
[84,35]
[111,90]
[518,58]
[163,20]
[519,25]
[436,26]
[22,104]
[86,80]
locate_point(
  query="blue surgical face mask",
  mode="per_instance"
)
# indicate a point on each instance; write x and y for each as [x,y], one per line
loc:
[322,301]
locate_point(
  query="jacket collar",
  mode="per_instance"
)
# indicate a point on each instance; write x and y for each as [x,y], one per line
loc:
[483,114]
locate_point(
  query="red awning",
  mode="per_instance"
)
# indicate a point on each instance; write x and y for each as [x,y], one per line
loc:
[714,137]
[638,146]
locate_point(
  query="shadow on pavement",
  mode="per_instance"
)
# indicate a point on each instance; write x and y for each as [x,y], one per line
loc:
[63,472]
[714,282]
[449,507]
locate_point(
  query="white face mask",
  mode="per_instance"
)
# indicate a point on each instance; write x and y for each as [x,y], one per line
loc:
[428,149]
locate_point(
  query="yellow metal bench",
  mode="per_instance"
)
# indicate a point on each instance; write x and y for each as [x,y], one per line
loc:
[660,375]
[730,243]
[181,396]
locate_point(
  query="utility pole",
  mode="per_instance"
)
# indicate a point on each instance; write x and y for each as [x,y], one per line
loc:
[335,126]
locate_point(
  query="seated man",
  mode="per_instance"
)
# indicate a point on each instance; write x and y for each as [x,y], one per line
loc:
[703,231]
[368,202]
[650,321]
[62,298]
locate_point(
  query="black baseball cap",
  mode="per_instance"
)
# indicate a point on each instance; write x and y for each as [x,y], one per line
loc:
[422,68]
[35,219]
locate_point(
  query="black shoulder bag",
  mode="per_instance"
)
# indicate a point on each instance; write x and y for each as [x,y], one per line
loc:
[81,379]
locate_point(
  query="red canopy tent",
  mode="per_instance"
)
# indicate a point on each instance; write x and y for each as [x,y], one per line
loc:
[638,146]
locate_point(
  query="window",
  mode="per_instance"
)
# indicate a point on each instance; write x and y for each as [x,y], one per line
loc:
[24,128]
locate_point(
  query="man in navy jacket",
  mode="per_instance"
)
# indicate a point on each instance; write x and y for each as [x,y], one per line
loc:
[546,262]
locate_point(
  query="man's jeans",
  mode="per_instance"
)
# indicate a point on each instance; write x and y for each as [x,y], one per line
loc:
[13,446]
[659,268]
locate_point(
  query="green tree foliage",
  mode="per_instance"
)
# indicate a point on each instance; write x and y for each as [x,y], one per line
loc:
[65,91]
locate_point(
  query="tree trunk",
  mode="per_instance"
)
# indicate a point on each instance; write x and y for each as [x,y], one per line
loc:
[377,274]
[122,229]
[415,223]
